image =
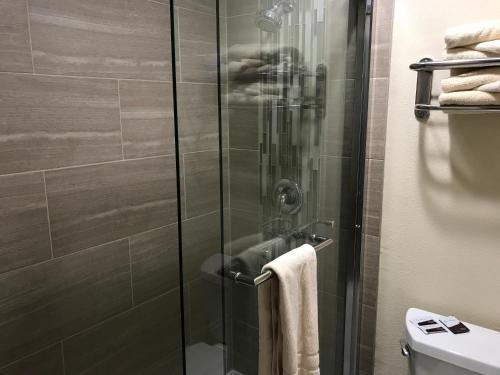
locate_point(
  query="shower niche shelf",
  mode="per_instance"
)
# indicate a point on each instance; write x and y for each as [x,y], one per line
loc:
[423,95]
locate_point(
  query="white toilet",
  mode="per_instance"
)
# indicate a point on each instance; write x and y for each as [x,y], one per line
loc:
[475,352]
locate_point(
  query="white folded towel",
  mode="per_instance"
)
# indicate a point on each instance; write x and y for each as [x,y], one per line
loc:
[288,316]
[469,98]
[471,80]
[490,87]
[472,33]
[475,51]
[492,46]
[465,53]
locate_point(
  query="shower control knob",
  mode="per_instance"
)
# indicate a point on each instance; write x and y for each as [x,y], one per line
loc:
[288,197]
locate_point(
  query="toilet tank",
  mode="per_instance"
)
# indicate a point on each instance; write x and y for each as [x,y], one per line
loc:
[475,352]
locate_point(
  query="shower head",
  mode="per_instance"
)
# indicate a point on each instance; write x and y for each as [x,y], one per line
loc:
[269,20]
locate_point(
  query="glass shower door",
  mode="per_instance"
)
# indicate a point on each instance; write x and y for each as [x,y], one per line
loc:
[268,145]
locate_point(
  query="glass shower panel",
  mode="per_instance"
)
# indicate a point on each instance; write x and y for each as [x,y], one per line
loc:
[201,208]
[266,135]
[287,96]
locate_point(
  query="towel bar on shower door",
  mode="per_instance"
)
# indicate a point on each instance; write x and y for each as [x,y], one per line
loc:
[425,68]
[239,278]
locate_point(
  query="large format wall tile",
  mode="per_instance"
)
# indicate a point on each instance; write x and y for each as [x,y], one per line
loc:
[371,258]
[155,262]
[331,329]
[197,26]
[24,229]
[377,118]
[337,37]
[245,347]
[15,53]
[372,209]
[134,342]
[245,230]
[100,203]
[238,7]
[198,117]
[205,310]
[242,30]
[201,239]
[44,303]
[243,125]
[45,362]
[202,186]
[336,191]
[337,130]
[50,122]
[382,38]
[244,180]
[104,38]
[205,6]
[147,118]
[198,61]
[198,48]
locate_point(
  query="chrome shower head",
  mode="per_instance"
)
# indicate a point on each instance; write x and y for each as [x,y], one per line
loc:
[269,20]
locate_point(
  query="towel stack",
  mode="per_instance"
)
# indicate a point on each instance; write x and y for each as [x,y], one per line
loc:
[254,71]
[472,87]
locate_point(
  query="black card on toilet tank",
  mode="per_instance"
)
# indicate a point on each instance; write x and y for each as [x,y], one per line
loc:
[454,325]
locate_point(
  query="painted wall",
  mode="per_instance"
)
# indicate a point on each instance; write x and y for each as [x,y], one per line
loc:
[440,236]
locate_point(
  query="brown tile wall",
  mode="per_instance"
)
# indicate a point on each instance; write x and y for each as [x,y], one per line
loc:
[88,210]
[374,177]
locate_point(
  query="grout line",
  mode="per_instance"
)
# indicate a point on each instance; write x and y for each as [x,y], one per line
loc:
[121,313]
[102,244]
[63,359]
[86,77]
[201,151]
[105,78]
[152,230]
[243,149]
[130,270]
[157,2]
[120,114]
[199,83]
[200,216]
[48,216]
[38,351]
[87,165]
[241,15]
[29,36]
[198,41]
[195,11]
[184,186]
[61,257]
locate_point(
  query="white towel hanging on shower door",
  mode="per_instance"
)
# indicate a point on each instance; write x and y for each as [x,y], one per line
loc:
[288,315]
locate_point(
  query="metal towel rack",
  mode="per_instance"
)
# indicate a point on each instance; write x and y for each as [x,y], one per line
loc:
[240,278]
[425,68]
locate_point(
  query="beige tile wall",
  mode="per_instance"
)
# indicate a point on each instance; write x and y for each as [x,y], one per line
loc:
[88,213]
[374,176]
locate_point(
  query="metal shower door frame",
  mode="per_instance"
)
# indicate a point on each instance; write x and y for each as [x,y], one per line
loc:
[354,285]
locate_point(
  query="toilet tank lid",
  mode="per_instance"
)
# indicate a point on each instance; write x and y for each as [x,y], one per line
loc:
[477,350]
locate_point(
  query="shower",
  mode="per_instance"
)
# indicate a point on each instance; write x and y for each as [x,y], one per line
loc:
[269,20]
